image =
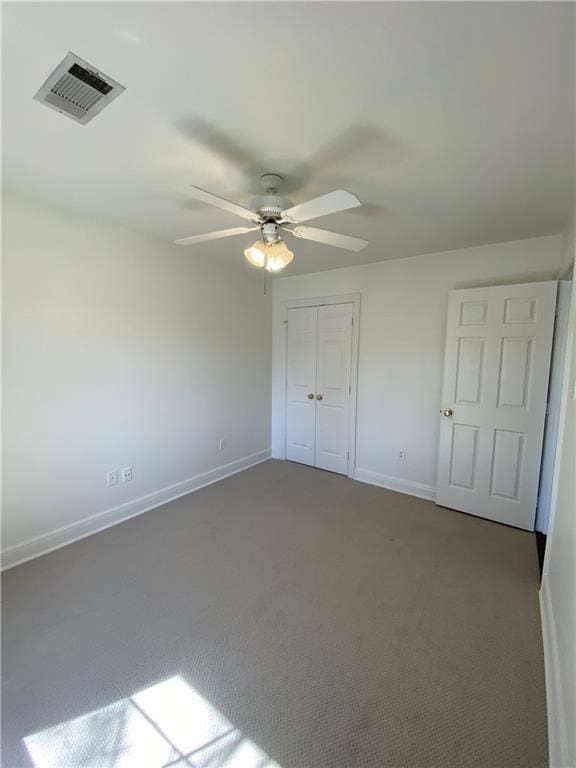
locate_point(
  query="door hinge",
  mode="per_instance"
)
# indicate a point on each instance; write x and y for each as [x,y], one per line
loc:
[352,323]
[349,389]
[348,455]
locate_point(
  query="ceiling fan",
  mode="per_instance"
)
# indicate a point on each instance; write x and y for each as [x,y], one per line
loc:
[273,215]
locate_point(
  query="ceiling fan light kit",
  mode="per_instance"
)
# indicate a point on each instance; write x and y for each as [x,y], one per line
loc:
[272,215]
[273,256]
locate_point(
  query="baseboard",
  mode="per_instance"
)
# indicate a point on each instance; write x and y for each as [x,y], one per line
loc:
[61,537]
[557,717]
[396,484]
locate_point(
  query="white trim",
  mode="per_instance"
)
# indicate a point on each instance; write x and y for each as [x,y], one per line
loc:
[61,537]
[410,487]
[554,405]
[557,721]
[286,304]
[567,383]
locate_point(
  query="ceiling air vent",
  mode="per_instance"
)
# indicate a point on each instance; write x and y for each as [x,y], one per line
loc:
[78,90]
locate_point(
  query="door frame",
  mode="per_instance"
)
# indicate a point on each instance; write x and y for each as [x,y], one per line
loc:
[552,423]
[320,301]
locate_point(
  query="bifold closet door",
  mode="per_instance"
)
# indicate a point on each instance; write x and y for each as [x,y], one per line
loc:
[301,384]
[334,349]
[318,368]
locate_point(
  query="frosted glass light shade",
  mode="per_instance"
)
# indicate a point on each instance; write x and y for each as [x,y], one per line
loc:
[274,257]
[256,254]
[278,256]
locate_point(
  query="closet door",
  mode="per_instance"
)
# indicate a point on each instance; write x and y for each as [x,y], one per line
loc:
[301,385]
[334,349]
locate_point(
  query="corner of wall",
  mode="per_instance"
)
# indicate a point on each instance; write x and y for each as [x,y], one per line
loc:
[557,716]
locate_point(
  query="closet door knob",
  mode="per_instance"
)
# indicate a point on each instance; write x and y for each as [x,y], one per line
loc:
[319,397]
[310,396]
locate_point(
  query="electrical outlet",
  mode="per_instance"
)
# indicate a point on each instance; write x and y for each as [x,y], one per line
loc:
[402,455]
[126,474]
[112,477]
[222,443]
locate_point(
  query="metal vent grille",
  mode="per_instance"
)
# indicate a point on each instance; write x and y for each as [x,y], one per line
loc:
[78,90]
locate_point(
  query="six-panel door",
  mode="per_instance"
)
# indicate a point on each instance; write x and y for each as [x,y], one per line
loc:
[318,374]
[498,345]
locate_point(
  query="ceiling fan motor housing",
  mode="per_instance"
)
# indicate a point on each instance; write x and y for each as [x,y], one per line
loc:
[270,206]
[270,232]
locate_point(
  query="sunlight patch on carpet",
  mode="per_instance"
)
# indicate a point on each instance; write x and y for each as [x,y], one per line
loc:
[168,724]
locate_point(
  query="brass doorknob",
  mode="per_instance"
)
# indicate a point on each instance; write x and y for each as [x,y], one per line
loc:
[448,412]
[310,396]
[319,397]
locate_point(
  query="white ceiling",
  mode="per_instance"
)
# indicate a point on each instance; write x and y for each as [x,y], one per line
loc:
[451,121]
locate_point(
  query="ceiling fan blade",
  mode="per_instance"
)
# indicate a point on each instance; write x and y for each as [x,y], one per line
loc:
[214,235]
[329,238]
[332,202]
[226,205]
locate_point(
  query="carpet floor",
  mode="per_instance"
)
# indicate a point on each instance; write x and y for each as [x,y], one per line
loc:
[281,617]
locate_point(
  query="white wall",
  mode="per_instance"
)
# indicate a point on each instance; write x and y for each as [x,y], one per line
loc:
[558,593]
[120,350]
[402,326]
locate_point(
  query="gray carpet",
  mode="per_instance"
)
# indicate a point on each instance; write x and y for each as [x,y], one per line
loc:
[322,622]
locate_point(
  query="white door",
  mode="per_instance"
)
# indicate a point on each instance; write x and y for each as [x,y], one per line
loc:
[498,344]
[333,386]
[318,375]
[301,385]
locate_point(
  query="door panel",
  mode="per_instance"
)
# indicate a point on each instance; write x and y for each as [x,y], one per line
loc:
[333,386]
[515,370]
[498,343]
[301,382]
[469,370]
[506,463]
[464,455]
[520,310]
[473,312]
